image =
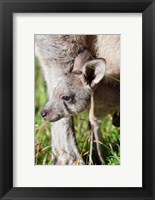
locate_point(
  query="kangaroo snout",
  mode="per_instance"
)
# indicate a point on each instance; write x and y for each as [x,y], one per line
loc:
[49,115]
[44,113]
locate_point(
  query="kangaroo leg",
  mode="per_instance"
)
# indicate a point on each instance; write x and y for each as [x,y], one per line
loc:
[95,129]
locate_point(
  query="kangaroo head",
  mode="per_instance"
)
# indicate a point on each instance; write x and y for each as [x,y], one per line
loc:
[73,93]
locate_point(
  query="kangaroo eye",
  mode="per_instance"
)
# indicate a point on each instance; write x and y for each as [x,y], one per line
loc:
[66,98]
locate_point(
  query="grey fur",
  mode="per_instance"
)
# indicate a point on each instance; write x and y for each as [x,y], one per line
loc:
[56,55]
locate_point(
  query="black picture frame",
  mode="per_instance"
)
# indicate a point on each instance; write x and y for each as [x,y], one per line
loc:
[7,8]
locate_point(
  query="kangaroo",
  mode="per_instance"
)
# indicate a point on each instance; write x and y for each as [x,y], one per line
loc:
[87,83]
[82,88]
[56,54]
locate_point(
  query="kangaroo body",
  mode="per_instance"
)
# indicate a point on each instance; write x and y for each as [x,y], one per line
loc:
[80,72]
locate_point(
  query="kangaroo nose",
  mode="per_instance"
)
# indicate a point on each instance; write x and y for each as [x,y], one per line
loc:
[44,113]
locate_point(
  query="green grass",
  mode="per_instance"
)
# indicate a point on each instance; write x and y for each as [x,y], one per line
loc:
[110,135]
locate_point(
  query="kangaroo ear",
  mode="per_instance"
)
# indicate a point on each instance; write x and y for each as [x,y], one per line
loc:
[81,59]
[94,71]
